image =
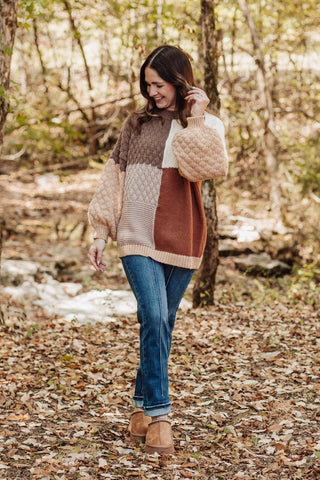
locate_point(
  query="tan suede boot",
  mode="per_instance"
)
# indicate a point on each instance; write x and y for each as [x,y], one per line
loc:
[138,426]
[159,437]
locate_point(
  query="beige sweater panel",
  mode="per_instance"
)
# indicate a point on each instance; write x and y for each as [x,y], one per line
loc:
[106,205]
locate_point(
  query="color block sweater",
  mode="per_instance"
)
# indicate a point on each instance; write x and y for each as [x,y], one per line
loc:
[143,202]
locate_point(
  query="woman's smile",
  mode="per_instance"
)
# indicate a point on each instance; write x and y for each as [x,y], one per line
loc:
[162,92]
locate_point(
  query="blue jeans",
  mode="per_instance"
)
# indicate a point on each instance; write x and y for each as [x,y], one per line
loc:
[158,289]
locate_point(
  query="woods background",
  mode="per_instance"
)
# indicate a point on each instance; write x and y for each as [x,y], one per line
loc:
[245,371]
[74,72]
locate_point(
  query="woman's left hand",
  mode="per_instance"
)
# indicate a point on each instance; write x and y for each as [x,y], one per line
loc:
[198,100]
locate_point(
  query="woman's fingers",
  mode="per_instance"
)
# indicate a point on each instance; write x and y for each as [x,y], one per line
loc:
[199,100]
[93,258]
[194,91]
[95,255]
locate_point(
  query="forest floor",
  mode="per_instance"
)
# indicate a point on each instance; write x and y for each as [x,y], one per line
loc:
[244,373]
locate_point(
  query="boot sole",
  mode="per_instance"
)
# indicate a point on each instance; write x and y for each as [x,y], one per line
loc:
[160,450]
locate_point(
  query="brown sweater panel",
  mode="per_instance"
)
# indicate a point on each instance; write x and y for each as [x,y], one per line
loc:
[180,225]
[147,147]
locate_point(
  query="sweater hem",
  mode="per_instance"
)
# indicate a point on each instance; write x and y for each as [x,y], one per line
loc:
[183,261]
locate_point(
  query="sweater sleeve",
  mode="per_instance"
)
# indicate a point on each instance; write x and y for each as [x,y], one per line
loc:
[200,149]
[106,205]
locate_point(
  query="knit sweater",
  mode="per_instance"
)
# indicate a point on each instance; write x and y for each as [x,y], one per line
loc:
[143,202]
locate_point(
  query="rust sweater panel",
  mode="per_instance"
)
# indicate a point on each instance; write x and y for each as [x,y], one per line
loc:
[143,202]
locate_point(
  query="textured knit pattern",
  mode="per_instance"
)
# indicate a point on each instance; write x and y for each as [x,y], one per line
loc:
[143,184]
[106,205]
[202,155]
[143,202]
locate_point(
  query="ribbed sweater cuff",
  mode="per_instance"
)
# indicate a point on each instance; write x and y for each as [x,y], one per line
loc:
[101,232]
[195,122]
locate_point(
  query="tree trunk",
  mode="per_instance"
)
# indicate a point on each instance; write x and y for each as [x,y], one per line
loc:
[203,291]
[93,120]
[42,64]
[8,25]
[269,135]
[158,20]
[2,225]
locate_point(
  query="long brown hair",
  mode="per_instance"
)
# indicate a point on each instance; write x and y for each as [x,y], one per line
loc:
[173,66]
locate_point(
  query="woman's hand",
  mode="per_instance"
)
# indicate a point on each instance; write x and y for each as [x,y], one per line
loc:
[95,254]
[198,100]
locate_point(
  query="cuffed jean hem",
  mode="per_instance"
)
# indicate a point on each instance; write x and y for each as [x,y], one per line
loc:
[137,403]
[152,411]
[155,411]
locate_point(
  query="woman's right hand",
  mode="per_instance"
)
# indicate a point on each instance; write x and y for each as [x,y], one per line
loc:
[95,254]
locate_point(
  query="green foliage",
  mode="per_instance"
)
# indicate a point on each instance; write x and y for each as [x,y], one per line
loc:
[49,141]
[3,94]
[6,50]
[44,136]
[117,35]
[309,165]
[26,12]
[54,74]
[31,330]
[66,358]
[45,141]
[309,274]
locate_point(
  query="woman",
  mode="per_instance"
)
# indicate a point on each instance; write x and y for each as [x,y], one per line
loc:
[156,216]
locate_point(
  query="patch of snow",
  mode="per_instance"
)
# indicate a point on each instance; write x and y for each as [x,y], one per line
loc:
[246,233]
[93,306]
[62,298]
[16,271]
[46,180]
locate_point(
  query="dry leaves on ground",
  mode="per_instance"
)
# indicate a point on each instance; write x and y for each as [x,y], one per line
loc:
[244,386]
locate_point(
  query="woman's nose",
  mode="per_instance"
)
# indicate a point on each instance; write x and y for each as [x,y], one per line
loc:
[152,90]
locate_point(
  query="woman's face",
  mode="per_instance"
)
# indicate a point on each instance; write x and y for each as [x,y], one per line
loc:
[162,92]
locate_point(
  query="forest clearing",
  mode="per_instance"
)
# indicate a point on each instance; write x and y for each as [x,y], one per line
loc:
[245,372]
[245,358]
